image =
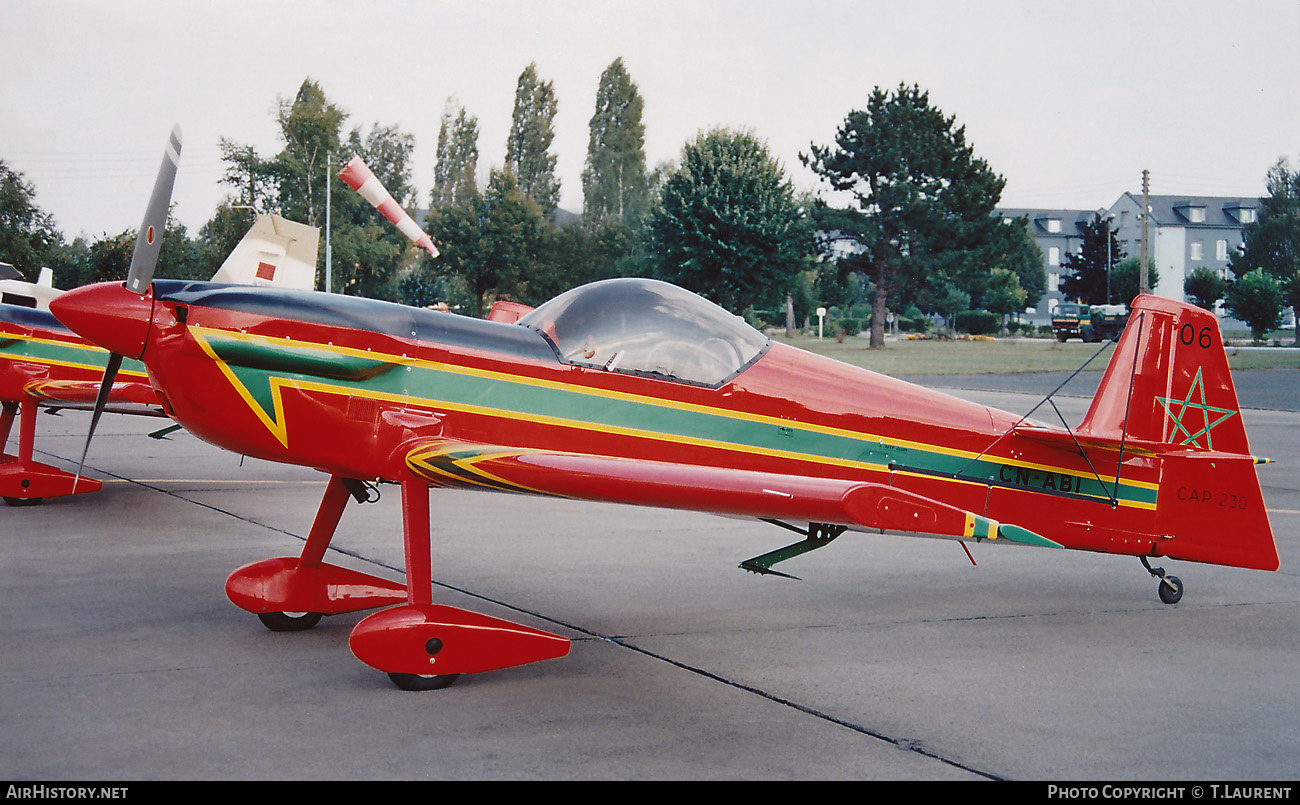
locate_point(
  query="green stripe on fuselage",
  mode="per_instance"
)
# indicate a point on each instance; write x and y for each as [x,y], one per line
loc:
[57,353]
[434,385]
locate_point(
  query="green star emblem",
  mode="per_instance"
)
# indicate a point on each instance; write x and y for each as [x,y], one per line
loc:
[1187,414]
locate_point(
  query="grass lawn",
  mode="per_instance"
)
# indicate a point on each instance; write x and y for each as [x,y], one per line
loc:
[1006,355]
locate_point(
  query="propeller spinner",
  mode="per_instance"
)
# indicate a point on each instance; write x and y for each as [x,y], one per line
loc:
[117,316]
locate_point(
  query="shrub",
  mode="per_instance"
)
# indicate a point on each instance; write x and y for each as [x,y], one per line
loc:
[977,322]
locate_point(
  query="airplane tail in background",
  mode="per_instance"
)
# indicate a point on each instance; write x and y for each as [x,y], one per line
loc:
[277,252]
[1168,392]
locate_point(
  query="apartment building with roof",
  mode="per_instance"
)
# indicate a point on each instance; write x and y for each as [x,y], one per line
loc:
[1184,232]
[1058,233]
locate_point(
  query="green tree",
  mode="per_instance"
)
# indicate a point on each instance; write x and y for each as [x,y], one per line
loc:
[71,263]
[945,299]
[254,179]
[1256,299]
[1014,249]
[1088,275]
[309,126]
[26,232]
[367,250]
[532,129]
[110,256]
[455,176]
[922,203]
[366,257]
[726,224]
[614,181]
[222,232]
[1004,296]
[179,257]
[492,243]
[1272,240]
[387,152]
[1126,279]
[575,255]
[1204,287]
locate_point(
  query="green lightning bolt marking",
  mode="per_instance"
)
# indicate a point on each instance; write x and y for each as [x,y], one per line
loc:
[1207,414]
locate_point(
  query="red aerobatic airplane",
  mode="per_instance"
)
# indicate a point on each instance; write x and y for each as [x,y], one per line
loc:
[43,364]
[636,391]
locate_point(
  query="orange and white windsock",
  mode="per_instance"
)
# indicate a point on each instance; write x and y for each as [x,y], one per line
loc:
[359,177]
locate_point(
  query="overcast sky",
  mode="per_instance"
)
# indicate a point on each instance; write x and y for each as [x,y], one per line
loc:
[1068,101]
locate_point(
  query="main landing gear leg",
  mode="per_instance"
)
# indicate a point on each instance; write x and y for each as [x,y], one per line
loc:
[1171,587]
[23,480]
[291,594]
[426,646]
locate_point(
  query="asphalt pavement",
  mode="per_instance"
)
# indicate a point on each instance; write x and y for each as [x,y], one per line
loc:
[893,658]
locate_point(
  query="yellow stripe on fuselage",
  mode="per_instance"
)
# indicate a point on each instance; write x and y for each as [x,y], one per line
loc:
[279,430]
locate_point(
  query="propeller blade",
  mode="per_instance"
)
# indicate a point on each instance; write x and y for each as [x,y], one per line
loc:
[148,241]
[101,400]
[144,259]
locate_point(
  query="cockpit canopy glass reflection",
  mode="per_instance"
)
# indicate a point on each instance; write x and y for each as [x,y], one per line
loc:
[642,326]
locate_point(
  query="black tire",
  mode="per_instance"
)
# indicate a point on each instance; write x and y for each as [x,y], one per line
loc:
[1171,595]
[24,501]
[289,621]
[416,682]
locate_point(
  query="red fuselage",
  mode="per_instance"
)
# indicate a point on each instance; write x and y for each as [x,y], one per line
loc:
[349,385]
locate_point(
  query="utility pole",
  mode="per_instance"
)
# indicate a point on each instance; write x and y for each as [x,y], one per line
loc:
[1109,248]
[329,168]
[1146,215]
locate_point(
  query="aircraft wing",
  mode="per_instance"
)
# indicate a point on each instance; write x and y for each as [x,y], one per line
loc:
[718,490]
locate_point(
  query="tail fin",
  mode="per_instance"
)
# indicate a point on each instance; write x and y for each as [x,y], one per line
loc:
[1168,384]
[276,251]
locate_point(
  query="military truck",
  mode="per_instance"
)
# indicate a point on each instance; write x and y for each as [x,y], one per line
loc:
[1092,323]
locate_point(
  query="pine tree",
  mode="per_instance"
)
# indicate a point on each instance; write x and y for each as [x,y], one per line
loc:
[922,203]
[528,147]
[614,181]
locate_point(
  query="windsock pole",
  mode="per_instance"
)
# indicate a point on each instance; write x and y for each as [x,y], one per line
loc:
[360,178]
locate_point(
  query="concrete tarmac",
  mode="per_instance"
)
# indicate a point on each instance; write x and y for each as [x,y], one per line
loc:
[893,658]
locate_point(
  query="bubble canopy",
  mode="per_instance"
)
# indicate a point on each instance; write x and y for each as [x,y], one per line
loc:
[647,327]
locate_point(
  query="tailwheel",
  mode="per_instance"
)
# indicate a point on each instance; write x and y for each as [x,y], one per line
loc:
[1170,588]
[419,682]
[289,621]
[23,501]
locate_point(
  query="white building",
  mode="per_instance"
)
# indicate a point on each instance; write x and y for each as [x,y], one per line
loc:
[1184,232]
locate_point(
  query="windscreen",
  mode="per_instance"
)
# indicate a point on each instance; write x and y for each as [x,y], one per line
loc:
[642,326]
